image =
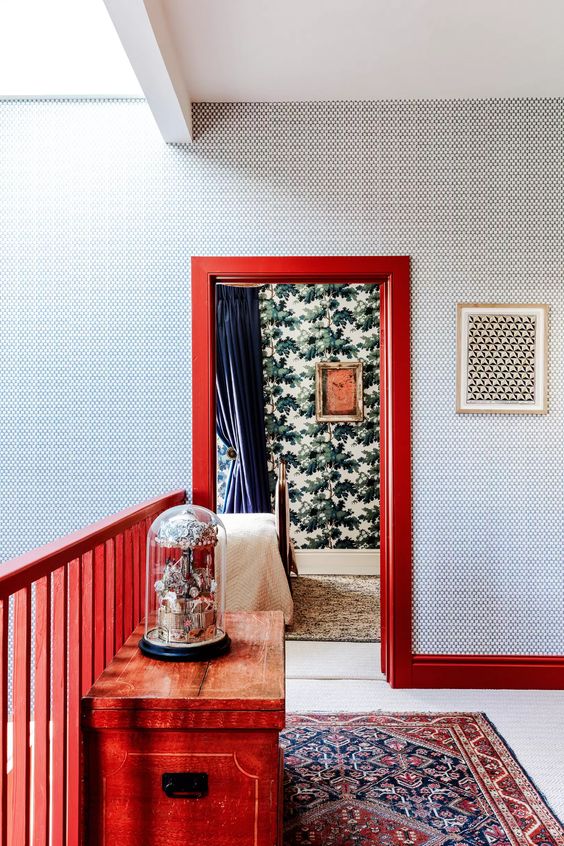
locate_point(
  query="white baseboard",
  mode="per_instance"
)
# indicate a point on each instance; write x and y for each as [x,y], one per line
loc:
[339,562]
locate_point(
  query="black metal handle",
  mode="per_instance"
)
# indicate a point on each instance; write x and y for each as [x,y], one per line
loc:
[185,785]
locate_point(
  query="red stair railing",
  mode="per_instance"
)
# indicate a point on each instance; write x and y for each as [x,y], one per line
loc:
[65,610]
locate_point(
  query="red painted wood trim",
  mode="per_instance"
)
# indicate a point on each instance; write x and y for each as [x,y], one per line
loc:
[119,565]
[383,509]
[21,763]
[59,587]
[178,720]
[87,601]
[74,660]
[203,386]
[41,732]
[137,613]
[99,632]
[393,275]
[512,672]
[4,625]
[396,409]
[77,625]
[143,584]
[27,568]
[128,581]
[110,612]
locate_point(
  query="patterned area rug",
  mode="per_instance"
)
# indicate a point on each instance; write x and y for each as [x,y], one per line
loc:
[408,780]
[336,608]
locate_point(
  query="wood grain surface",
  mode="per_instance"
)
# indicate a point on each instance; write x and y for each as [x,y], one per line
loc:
[143,718]
[250,678]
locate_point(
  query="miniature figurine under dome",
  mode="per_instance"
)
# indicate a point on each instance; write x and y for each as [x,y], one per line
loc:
[185,586]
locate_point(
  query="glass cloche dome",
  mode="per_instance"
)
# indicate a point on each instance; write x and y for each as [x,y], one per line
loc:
[185,599]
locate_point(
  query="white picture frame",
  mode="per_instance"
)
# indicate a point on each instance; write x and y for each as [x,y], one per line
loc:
[501,358]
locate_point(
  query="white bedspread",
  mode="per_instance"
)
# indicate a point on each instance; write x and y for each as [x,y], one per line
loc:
[256,580]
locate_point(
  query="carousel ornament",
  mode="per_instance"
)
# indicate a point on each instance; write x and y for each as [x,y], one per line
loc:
[186,567]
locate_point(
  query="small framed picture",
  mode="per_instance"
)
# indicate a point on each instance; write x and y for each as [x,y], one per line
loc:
[501,358]
[338,392]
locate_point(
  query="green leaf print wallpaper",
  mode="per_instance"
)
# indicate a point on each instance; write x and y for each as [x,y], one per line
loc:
[333,468]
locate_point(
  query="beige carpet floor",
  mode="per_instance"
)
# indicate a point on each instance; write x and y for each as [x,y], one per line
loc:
[340,608]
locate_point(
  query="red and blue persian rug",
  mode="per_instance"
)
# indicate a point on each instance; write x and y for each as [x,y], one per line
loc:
[408,780]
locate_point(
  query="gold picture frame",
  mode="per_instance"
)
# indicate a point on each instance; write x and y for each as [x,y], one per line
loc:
[339,392]
[501,358]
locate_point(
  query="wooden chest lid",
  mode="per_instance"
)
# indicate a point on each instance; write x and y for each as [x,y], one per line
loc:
[248,679]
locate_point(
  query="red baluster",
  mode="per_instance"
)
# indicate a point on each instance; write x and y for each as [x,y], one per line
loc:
[110,600]
[128,625]
[59,588]
[136,574]
[42,698]
[88,592]
[119,564]
[87,608]
[99,581]
[4,620]
[21,763]
[74,692]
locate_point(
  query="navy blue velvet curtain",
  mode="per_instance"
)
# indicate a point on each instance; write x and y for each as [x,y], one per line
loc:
[240,399]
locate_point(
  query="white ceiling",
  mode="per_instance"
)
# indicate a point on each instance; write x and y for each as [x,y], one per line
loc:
[269,50]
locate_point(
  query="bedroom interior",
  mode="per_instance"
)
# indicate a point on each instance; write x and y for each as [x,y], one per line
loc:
[270,340]
[281,423]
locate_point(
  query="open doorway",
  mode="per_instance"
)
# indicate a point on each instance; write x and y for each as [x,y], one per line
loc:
[309,355]
[343,284]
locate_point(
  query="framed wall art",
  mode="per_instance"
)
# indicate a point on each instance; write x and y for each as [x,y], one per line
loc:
[338,392]
[501,358]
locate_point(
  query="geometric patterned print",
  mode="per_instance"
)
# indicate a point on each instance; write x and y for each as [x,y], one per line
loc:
[501,358]
[99,219]
[407,780]
[333,468]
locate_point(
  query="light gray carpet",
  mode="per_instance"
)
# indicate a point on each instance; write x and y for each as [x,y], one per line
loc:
[343,608]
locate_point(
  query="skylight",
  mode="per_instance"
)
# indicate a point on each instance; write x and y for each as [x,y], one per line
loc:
[62,48]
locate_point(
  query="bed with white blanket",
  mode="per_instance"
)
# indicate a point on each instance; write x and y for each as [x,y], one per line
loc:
[256,576]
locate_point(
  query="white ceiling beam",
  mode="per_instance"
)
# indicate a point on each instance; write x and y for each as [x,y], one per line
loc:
[145,36]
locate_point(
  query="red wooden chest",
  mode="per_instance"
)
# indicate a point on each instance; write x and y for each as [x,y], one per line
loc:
[187,753]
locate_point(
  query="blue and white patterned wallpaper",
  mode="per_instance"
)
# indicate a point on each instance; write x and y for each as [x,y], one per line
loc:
[98,221]
[94,315]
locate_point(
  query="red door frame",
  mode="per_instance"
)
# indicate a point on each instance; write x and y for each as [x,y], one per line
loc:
[401,666]
[391,273]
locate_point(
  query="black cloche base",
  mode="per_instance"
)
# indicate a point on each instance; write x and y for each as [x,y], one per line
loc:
[189,653]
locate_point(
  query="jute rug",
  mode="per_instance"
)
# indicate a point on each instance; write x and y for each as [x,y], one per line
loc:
[408,780]
[336,608]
